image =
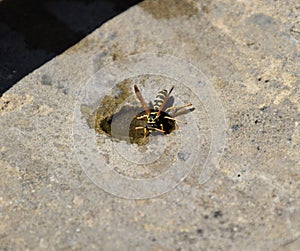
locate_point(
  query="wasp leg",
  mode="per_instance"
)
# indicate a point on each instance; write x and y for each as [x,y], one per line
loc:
[177,120]
[141,117]
[162,127]
[159,130]
[145,130]
[177,107]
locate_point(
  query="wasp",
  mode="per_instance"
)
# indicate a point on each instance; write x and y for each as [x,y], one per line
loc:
[157,119]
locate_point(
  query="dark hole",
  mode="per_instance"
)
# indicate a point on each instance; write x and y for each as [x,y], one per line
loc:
[126,118]
[199,231]
[217,214]
[235,127]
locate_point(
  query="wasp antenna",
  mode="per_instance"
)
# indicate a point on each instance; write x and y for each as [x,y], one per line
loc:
[141,99]
[171,90]
[136,89]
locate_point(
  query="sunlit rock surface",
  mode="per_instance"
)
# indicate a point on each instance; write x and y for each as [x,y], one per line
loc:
[246,51]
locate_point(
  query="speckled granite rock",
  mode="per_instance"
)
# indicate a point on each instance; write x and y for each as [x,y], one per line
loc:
[248,51]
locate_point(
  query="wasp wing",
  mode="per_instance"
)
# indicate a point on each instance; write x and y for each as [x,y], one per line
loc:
[141,99]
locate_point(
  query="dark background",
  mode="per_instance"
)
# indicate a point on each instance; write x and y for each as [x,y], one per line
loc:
[34,31]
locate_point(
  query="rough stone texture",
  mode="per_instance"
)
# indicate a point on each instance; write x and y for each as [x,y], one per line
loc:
[249,50]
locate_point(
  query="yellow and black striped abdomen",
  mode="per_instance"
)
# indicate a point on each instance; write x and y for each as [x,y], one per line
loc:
[159,99]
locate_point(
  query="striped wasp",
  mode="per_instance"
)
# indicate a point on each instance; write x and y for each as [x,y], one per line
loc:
[157,119]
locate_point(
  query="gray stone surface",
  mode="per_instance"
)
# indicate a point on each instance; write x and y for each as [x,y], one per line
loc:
[248,51]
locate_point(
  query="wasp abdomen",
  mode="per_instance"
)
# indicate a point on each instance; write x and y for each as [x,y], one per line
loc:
[159,99]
